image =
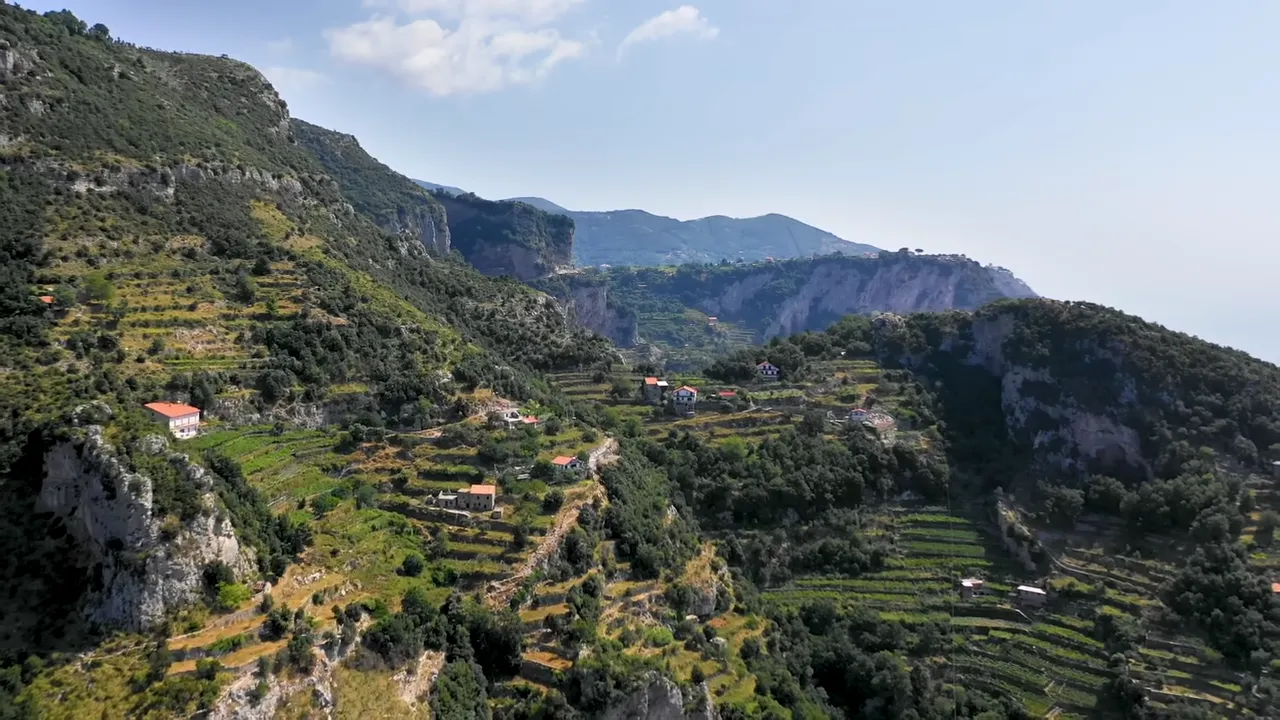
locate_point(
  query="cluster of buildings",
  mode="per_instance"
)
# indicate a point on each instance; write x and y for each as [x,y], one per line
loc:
[1024,595]
[513,418]
[656,391]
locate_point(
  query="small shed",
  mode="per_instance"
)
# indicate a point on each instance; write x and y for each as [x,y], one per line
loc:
[1030,595]
[972,587]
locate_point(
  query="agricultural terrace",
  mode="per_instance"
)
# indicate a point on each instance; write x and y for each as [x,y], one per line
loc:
[752,411]
[639,615]
[368,505]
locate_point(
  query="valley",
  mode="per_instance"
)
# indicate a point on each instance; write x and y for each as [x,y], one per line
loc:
[436,471]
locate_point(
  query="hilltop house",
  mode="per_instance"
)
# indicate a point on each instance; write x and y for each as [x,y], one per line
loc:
[653,390]
[567,464]
[183,421]
[1030,596]
[684,399]
[478,498]
[767,371]
[859,415]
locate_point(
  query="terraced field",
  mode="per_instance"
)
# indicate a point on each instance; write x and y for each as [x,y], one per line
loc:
[358,549]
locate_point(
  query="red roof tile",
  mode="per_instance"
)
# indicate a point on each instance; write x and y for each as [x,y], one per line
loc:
[563,460]
[482,490]
[651,381]
[46,299]
[728,393]
[172,410]
[686,387]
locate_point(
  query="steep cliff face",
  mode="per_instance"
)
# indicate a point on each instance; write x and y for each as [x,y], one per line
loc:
[1068,424]
[589,306]
[1037,407]
[397,203]
[783,298]
[508,238]
[144,569]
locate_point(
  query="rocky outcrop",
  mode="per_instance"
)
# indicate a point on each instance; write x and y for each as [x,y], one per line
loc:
[1063,433]
[783,298]
[395,202]
[508,238]
[837,287]
[589,306]
[145,567]
[661,699]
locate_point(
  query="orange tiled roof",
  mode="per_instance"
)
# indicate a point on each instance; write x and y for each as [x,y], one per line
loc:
[651,381]
[482,490]
[563,460]
[1275,587]
[46,299]
[172,410]
[690,389]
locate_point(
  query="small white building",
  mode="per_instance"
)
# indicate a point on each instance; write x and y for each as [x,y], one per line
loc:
[972,587]
[767,371]
[859,415]
[685,399]
[183,421]
[1031,596]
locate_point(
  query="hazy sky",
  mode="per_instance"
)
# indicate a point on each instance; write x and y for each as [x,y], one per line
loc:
[1126,153]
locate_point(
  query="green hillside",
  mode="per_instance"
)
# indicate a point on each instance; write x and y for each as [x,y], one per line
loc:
[317,549]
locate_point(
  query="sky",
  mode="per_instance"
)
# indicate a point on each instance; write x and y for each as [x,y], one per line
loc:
[1124,153]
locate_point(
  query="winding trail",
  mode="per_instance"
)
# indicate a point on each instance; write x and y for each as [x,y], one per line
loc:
[501,591]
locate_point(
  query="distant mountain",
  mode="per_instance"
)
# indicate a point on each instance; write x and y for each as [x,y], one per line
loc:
[441,188]
[637,237]
[543,205]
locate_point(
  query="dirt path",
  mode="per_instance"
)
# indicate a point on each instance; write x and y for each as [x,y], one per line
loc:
[501,591]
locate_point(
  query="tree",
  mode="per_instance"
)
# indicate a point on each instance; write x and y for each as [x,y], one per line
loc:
[64,296]
[412,566]
[460,693]
[1264,534]
[100,32]
[231,596]
[261,267]
[98,288]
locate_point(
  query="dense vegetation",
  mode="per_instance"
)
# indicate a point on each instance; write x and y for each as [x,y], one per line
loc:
[485,231]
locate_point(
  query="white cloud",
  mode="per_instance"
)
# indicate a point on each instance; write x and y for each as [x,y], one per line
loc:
[292,81]
[491,44]
[684,20]
[283,45]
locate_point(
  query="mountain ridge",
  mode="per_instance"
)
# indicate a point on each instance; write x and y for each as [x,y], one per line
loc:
[634,236]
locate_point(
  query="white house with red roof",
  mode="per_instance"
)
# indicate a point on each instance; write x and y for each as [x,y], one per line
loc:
[767,371]
[183,421]
[566,463]
[476,498]
[684,399]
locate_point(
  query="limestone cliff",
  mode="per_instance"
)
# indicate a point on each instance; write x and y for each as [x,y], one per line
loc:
[1068,423]
[397,204]
[144,568]
[508,238]
[782,298]
[589,306]
[660,699]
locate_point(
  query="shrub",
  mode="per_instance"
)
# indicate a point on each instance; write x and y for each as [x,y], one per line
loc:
[231,596]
